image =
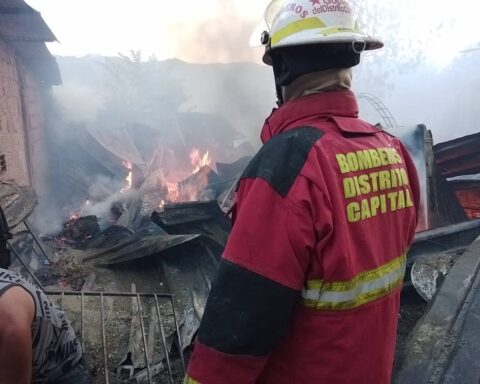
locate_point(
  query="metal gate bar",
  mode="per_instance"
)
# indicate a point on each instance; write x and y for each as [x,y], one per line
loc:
[29,271]
[104,339]
[138,297]
[164,341]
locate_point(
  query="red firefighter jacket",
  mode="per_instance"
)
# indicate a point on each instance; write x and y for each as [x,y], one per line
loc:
[308,290]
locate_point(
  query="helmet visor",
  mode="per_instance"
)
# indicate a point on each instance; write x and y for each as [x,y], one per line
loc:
[265,25]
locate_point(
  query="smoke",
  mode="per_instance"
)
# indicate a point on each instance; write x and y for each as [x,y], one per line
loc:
[78,102]
[431,31]
[102,209]
[223,38]
[421,75]
[52,213]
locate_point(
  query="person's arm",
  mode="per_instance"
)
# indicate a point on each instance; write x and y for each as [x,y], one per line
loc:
[16,315]
[257,287]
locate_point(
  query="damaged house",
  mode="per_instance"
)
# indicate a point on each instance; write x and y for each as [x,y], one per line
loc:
[142,232]
[144,196]
[27,72]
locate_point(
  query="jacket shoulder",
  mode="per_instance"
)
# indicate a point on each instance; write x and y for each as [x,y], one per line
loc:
[281,159]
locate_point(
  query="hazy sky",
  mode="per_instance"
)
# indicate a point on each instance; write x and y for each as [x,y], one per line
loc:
[219,30]
[160,27]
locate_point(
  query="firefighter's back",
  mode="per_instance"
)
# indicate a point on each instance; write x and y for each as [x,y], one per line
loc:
[361,188]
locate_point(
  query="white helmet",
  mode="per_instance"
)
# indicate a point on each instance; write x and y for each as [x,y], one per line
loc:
[305,22]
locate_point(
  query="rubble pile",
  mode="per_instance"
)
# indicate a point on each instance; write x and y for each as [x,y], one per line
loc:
[159,230]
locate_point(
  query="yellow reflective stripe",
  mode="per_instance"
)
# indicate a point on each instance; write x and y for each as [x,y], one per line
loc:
[366,287]
[297,26]
[334,30]
[361,278]
[189,380]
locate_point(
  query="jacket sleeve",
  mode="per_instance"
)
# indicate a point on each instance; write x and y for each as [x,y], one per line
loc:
[257,287]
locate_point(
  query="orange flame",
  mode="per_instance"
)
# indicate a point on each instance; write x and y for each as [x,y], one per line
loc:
[127,164]
[198,160]
[129,178]
[173,192]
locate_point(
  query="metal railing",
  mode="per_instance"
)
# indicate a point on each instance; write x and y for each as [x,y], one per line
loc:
[126,371]
[381,109]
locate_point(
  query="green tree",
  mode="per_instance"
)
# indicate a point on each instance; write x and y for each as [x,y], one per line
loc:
[141,91]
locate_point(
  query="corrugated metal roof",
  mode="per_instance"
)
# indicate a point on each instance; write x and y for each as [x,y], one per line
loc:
[31,50]
[24,29]
[459,157]
[12,4]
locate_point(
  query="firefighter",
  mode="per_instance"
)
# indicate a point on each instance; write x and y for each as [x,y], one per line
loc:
[37,344]
[308,290]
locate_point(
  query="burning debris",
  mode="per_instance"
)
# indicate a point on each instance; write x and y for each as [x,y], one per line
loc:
[136,222]
[145,210]
[199,161]
[129,178]
[163,231]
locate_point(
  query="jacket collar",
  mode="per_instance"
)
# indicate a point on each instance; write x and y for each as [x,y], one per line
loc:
[338,106]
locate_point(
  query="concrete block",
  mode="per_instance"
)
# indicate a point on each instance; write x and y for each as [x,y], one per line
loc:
[6,85]
[10,125]
[2,86]
[14,89]
[13,106]
[3,105]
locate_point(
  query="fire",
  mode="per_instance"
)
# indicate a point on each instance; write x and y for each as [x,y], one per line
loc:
[129,179]
[127,164]
[173,192]
[78,213]
[74,216]
[198,160]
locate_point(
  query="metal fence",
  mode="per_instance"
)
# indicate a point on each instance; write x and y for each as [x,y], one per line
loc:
[152,368]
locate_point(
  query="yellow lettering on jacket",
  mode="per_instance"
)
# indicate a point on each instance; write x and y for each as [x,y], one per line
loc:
[342,162]
[368,159]
[375,182]
[353,212]
[374,206]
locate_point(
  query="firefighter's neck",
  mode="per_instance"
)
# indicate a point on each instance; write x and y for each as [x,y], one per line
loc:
[318,82]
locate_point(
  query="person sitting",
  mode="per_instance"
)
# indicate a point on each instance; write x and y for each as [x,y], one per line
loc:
[37,343]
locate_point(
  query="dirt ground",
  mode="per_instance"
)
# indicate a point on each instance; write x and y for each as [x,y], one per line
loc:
[412,309]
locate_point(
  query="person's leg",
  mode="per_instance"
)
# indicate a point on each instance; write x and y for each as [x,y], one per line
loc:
[80,374]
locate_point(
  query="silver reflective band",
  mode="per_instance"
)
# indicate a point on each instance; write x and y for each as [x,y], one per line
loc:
[361,290]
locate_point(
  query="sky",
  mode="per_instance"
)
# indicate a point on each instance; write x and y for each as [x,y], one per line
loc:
[162,27]
[219,30]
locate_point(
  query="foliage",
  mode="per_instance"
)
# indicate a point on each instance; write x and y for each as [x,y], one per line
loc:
[141,91]
[405,47]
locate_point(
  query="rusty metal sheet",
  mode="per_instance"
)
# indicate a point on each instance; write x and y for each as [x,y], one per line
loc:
[459,157]
[24,24]
[143,247]
[119,143]
[17,202]
[205,218]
